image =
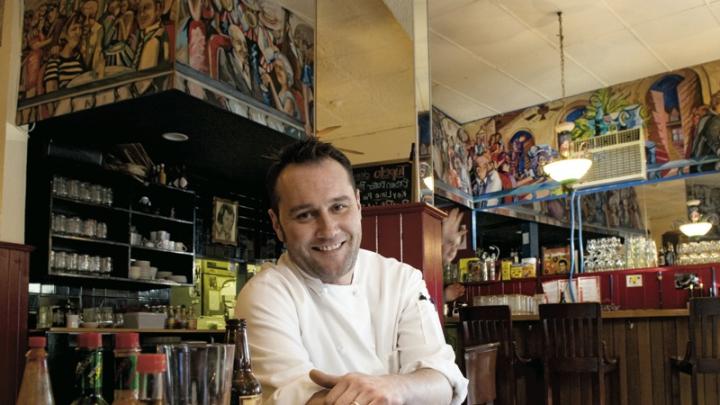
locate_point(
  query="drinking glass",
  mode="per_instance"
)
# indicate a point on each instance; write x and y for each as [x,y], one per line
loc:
[177,374]
[198,372]
[219,372]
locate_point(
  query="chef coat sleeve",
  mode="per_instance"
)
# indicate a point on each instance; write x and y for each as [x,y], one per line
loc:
[278,357]
[420,340]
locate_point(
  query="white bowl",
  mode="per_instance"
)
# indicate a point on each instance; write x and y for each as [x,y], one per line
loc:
[135,272]
[179,279]
[142,263]
[164,274]
[146,273]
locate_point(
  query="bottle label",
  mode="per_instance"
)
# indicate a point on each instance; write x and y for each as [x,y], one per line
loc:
[250,399]
[125,376]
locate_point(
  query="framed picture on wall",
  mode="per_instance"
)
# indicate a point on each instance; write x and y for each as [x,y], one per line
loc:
[224,229]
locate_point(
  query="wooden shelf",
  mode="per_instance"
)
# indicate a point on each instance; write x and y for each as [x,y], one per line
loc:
[161,217]
[119,330]
[172,252]
[87,203]
[166,283]
[86,239]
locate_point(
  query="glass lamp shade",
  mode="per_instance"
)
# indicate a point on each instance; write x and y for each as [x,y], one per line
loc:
[695,228]
[566,171]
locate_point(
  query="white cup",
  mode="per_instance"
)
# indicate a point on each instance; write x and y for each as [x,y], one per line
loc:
[180,247]
[72,321]
[134,272]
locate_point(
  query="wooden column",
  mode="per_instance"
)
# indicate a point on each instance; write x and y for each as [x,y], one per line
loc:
[410,233]
[14,268]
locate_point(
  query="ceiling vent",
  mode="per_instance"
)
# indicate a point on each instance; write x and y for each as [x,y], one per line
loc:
[617,156]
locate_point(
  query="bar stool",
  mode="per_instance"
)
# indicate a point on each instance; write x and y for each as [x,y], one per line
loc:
[480,363]
[573,344]
[493,323]
[702,354]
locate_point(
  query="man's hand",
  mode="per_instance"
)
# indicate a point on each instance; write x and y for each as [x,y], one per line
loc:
[452,235]
[358,389]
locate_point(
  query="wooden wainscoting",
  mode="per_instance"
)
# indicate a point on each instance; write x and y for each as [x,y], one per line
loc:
[14,267]
[643,347]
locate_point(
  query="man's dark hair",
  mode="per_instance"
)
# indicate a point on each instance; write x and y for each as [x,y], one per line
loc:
[306,151]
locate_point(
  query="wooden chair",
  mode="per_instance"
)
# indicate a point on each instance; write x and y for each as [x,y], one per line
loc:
[573,344]
[702,354]
[493,323]
[480,363]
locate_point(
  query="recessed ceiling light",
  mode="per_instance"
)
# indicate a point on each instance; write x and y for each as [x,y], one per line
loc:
[175,136]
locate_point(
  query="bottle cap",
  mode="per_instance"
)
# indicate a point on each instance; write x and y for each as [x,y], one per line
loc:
[90,340]
[151,363]
[127,340]
[35,342]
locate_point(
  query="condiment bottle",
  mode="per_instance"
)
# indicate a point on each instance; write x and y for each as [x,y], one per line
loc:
[89,370]
[35,387]
[150,368]
[127,348]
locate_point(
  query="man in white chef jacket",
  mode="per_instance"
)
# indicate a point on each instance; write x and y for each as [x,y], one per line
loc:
[331,323]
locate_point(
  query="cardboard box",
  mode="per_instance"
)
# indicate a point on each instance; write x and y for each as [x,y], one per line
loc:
[556,260]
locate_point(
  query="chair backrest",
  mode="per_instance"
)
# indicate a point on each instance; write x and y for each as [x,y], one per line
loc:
[572,336]
[480,364]
[703,332]
[487,324]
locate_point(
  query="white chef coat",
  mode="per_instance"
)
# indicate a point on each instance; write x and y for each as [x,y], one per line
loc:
[381,323]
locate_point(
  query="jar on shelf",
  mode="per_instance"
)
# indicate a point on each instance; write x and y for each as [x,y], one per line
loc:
[58,223]
[96,193]
[73,188]
[73,225]
[59,186]
[107,198]
[84,191]
[89,228]
[101,230]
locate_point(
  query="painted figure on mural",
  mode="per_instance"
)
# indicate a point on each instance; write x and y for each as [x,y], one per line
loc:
[37,40]
[284,99]
[92,39]
[234,63]
[153,47]
[486,179]
[68,63]
[539,155]
[305,47]
[706,137]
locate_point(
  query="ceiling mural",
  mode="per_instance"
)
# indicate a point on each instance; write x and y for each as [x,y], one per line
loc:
[261,49]
[255,54]
[82,47]
[678,111]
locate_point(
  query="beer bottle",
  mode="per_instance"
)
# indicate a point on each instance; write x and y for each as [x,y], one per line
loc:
[89,370]
[246,388]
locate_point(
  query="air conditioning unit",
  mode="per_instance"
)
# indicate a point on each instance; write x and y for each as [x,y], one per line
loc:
[617,156]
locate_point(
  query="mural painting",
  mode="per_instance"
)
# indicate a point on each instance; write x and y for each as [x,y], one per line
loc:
[261,49]
[87,46]
[678,110]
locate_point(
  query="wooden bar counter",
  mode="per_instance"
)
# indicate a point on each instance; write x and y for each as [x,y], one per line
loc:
[641,340]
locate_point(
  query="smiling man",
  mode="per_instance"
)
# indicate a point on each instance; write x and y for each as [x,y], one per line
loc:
[331,323]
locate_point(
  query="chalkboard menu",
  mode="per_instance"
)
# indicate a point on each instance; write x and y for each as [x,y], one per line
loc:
[384,184]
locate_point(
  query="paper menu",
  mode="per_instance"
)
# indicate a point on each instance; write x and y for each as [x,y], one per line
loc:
[586,289]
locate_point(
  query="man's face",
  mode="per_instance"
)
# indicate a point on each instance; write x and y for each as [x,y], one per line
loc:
[228,220]
[319,219]
[147,13]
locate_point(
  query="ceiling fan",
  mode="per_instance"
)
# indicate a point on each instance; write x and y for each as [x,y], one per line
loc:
[322,132]
[541,111]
